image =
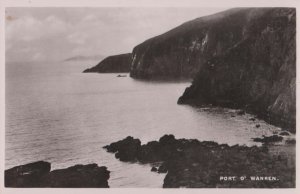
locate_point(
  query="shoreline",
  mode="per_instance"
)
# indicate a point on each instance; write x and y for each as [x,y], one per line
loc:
[267,117]
[187,163]
[190,163]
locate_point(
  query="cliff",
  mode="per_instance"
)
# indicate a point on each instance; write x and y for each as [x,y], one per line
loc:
[112,64]
[182,51]
[257,72]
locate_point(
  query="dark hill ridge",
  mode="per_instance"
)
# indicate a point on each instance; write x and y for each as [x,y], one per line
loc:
[112,64]
[257,73]
[182,51]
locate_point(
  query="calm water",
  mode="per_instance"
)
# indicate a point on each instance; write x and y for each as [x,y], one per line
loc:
[58,114]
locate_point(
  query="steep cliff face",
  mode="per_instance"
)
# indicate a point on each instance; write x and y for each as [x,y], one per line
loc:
[112,64]
[181,52]
[257,73]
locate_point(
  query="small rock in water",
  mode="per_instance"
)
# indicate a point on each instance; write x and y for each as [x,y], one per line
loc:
[257,126]
[269,139]
[162,169]
[284,133]
[252,119]
[154,169]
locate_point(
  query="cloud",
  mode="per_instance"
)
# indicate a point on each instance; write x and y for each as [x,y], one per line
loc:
[77,38]
[34,33]
[28,28]
[59,33]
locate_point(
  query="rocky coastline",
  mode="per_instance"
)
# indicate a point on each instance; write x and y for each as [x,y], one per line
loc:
[258,74]
[38,175]
[242,58]
[194,164]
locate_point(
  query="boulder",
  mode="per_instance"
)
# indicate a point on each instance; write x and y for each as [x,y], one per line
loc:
[127,149]
[28,175]
[37,174]
[78,176]
[154,169]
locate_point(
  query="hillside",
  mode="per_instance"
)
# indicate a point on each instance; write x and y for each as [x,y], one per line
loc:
[112,64]
[181,52]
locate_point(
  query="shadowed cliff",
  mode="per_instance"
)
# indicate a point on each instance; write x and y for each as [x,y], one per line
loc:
[112,64]
[257,73]
[180,52]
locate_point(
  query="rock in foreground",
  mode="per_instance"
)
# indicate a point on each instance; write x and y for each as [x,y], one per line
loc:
[112,64]
[28,175]
[37,174]
[191,163]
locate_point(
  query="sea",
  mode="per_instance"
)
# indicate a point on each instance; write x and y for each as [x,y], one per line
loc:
[56,113]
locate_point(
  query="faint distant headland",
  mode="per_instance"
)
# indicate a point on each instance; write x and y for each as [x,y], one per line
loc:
[85,58]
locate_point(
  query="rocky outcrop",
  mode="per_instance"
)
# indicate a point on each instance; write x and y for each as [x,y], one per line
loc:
[112,64]
[256,73]
[38,174]
[191,163]
[26,175]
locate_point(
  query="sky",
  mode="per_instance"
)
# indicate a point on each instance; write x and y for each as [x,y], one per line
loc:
[55,34]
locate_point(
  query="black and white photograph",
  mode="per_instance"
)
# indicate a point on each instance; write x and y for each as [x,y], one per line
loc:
[149,97]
